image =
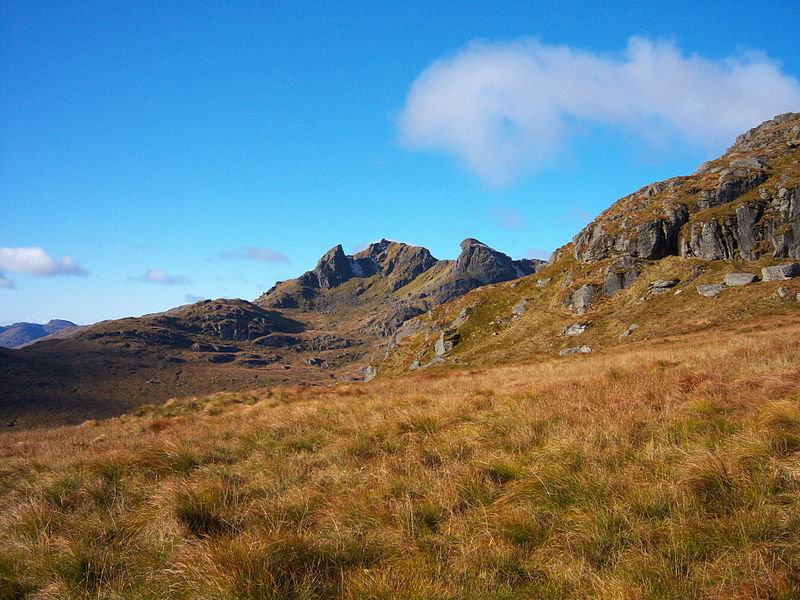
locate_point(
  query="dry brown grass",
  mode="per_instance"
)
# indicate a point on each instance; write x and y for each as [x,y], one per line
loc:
[664,470]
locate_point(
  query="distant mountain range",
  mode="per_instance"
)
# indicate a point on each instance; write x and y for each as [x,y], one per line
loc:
[690,253]
[17,334]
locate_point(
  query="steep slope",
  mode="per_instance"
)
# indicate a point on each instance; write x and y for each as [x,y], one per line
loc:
[680,255]
[22,333]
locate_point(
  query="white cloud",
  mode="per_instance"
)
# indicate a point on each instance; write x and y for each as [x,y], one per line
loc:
[506,108]
[35,261]
[507,218]
[6,283]
[254,253]
[161,276]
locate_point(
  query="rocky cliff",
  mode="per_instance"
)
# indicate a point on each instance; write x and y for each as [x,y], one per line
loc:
[745,204]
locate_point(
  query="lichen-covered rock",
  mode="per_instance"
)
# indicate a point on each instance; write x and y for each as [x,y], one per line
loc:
[780,272]
[737,279]
[581,298]
[575,350]
[574,329]
[710,290]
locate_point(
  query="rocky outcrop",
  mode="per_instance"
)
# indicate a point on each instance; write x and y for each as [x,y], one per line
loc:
[744,205]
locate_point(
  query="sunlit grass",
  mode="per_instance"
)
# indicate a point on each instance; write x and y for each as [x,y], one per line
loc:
[662,471]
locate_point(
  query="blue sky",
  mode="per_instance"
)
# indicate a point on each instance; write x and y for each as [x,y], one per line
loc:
[154,152]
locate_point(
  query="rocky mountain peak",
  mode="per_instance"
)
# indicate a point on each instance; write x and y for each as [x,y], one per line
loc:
[479,261]
[333,268]
[398,263]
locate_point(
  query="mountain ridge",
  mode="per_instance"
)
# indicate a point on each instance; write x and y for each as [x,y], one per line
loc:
[21,333]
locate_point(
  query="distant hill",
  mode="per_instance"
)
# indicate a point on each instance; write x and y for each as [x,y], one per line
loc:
[17,334]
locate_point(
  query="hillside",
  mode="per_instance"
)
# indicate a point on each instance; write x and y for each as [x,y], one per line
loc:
[687,254]
[655,470]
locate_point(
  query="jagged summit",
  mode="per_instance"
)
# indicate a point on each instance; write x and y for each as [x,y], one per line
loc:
[400,270]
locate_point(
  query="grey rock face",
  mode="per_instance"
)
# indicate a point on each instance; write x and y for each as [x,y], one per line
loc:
[445,343]
[520,307]
[780,272]
[399,264]
[333,268]
[668,218]
[575,350]
[737,279]
[620,274]
[710,290]
[752,162]
[581,298]
[629,330]
[543,282]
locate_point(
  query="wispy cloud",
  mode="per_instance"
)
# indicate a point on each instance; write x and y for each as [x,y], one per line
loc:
[255,253]
[6,283]
[504,109]
[191,298]
[507,218]
[162,277]
[35,261]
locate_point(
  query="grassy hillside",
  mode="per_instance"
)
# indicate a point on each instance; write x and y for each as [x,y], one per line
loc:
[492,334]
[657,469]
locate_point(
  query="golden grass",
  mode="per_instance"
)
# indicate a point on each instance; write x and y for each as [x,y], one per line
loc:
[666,470]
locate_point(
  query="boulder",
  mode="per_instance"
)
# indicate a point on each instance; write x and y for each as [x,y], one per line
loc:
[445,342]
[370,371]
[575,350]
[574,329]
[780,272]
[543,282]
[520,307]
[629,330]
[581,298]
[710,290]
[736,279]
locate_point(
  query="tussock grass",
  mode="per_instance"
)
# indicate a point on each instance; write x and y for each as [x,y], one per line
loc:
[655,471]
